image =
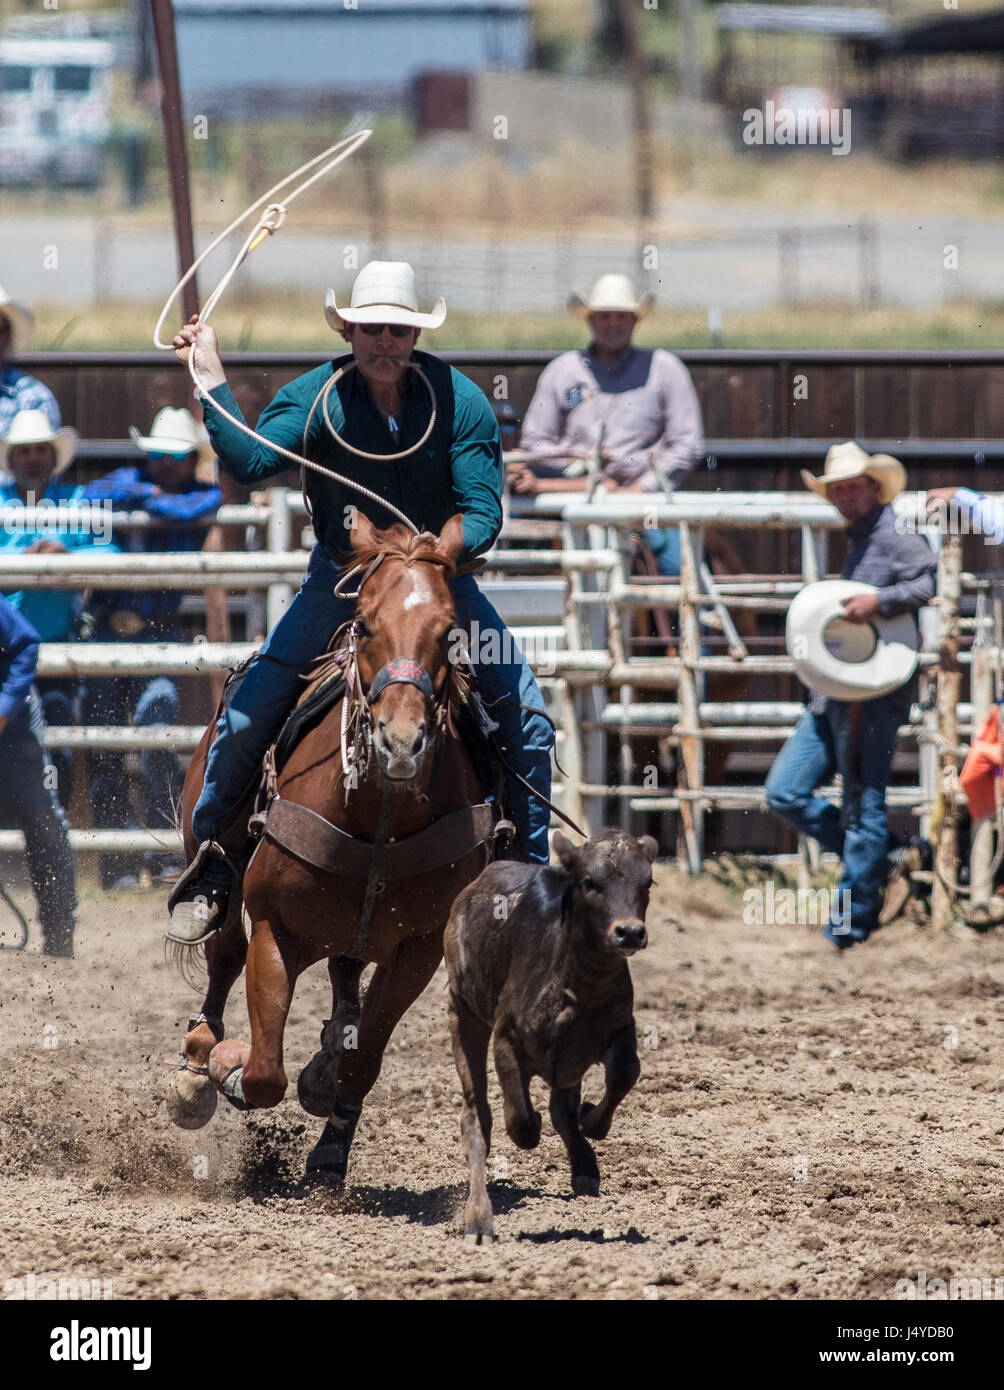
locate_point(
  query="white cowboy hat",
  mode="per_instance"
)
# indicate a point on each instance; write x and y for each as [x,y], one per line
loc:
[846,461]
[174,432]
[34,427]
[384,292]
[22,321]
[845,660]
[611,294]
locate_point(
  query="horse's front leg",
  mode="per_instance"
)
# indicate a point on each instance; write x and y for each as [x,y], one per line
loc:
[318,1081]
[192,1098]
[253,1076]
[392,990]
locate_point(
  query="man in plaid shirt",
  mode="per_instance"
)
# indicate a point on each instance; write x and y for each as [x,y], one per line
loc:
[18,390]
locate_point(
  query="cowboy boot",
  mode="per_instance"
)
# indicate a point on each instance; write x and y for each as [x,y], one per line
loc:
[199,900]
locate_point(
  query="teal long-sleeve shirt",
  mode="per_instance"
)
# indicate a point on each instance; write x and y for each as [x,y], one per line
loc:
[458,469]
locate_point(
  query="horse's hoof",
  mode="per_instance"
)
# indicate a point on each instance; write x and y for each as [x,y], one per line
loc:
[586,1187]
[226,1063]
[226,1055]
[191,1100]
[327,1166]
[316,1084]
[478,1240]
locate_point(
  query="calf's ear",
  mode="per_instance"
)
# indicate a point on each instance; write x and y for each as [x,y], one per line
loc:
[565,850]
[650,847]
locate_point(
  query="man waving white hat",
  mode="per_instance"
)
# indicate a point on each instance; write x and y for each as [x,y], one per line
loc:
[857,737]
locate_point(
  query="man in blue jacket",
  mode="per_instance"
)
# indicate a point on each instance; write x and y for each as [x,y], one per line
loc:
[26,799]
[165,485]
[380,408]
[35,456]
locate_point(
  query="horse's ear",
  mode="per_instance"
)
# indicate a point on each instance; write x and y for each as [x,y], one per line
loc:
[451,538]
[363,534]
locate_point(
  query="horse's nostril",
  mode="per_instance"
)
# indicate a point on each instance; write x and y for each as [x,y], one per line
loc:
[419,743]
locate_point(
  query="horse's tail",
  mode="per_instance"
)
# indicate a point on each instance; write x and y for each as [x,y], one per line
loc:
[189,961]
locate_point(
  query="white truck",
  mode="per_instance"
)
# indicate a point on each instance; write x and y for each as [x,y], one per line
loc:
[55,101]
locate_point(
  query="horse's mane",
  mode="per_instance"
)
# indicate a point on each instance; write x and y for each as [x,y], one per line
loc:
[399,543]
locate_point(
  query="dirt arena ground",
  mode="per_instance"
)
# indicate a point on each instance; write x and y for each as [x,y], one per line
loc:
[806,1126]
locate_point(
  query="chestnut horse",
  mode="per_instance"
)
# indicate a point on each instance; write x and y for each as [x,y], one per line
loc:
[410,772]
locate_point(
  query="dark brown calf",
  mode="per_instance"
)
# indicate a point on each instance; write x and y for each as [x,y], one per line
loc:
[539,955]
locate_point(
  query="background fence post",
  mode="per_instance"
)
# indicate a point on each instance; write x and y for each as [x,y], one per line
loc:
[949,681]
[280,531]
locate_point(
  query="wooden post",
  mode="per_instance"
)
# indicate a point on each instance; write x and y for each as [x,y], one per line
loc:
[174,140]
[637,70]
[949,684]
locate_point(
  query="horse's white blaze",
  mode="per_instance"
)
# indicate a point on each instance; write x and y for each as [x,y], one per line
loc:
[421,590]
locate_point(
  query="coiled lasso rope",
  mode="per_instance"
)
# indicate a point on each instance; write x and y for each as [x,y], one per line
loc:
[269,222]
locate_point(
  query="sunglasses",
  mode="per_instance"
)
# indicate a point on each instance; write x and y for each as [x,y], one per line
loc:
[373,330]
[161,454]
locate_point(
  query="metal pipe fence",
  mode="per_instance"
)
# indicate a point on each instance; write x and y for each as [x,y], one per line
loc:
[584,652]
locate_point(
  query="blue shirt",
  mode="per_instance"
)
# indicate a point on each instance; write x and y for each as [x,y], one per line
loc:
[19,391]
[987,513]
[18,659]
[186,517]
[52,612]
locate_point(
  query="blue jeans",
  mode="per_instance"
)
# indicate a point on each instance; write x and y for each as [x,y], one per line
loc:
[821,745]
[269,691]
[29,803]
[665,546]
[58,711]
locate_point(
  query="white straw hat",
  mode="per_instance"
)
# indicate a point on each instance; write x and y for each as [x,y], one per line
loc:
[611,294]
[174,432]
[846,461]
[35,427]
[845,660]
[384,292]
[22,321]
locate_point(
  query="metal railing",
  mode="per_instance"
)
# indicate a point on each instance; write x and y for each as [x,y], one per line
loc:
[591,673]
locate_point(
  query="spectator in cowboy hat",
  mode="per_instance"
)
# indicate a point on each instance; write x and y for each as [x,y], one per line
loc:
[27,798]
[642,399]
[166,486]
[35,455]
[18,390]
[856,739]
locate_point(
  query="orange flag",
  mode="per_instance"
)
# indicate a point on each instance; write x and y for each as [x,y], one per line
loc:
[983,766]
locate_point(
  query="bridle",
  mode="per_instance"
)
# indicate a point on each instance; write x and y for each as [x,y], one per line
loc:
[357,704]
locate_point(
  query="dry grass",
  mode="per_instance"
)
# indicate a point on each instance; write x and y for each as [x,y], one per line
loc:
[454,188]
[296,322]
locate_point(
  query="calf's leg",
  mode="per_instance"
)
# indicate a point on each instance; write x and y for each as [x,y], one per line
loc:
[622,1069]
[470,1038]
[565,1118]
[522,1122]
